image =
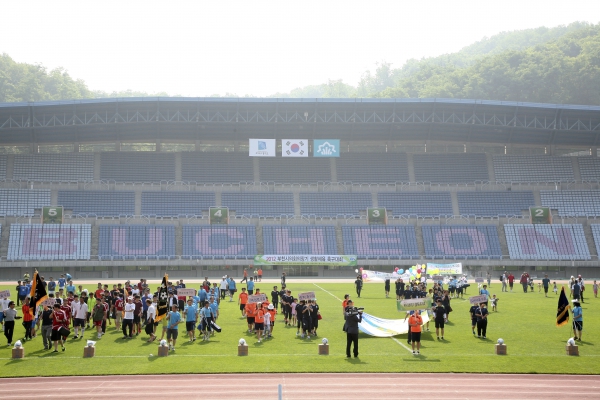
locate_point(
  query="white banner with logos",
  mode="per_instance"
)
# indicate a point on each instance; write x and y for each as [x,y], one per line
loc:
[294,147]
[262,148]
[444,269]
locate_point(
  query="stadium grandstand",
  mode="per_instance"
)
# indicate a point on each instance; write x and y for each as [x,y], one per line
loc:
[459,180]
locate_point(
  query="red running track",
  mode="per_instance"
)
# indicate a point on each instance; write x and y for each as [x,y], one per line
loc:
[305,386]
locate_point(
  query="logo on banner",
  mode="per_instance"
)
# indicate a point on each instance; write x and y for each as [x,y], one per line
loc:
[262,148]
[294,148]
[327,148]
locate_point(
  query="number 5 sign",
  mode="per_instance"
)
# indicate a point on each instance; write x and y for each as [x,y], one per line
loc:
[52,215]
[219,215]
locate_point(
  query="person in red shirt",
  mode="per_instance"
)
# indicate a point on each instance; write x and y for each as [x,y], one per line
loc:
[99,292]
[259,320]
[511,280]
[58,321]
[27,319]
[245,276]
[345,304]
[414,322]
[118,311]
[260,274]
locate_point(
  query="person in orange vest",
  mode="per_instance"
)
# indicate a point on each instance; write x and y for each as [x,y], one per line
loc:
[414,322]
[27,319]
[259,320]
[242,300]
[250,316]
[271,310]
[260,274]
[245,276]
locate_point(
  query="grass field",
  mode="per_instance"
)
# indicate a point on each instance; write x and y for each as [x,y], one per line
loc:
[524,321]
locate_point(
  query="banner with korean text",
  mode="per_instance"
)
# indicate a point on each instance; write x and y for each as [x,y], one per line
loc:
[299,259]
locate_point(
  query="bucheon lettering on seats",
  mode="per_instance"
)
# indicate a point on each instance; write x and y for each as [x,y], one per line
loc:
[72,241]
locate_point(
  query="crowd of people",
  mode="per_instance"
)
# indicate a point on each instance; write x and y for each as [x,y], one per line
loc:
[133,309]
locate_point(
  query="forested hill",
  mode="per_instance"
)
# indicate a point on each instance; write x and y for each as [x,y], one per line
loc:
[557,65]
[33,82]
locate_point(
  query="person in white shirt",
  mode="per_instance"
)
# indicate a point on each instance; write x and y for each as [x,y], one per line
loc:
[223,288]
[150,315]
[3,306]
[128,318]
[79,312]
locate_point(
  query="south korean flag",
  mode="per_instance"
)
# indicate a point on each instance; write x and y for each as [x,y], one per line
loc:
[294,148]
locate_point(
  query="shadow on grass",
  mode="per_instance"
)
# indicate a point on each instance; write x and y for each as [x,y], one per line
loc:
[421,358]
[354,360]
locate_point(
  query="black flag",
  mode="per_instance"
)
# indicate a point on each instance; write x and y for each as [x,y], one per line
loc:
[163,300]
[562,314]
[38,292]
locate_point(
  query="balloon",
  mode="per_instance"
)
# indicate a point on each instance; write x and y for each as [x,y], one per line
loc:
[396,269]
[400,271]
[418,275]
[419,271]
[356,271]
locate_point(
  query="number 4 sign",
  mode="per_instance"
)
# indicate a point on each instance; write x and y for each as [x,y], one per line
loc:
[219,215]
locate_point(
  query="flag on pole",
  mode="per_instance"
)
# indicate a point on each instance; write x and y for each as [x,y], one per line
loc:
[37,294]
[562,313]
[163,300]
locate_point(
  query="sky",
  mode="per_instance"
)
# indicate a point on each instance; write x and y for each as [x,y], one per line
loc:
[260,47]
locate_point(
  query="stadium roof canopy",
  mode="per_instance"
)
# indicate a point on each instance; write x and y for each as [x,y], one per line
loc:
[191,119]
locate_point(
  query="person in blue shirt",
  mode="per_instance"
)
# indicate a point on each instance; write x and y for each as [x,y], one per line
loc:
[62,282]
[232,289]
[577,320]
[206,316]
[484,291]
[24,291]
[51,286]
[202,295]
[191,317]
[250,286]
[70,288]
[172,331]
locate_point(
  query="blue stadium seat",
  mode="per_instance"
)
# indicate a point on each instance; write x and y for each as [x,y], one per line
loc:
[546,242]
[461,241]
[136,242]
[49,242]
[299,239]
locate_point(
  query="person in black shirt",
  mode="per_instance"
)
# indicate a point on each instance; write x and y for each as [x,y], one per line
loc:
[387,287]
[47,327]
[283,279]
[286,301]
[481,313]
[440,313]
[358,283]
[275,297]
[472,312]
[299,315]
[353,318]
[315,317]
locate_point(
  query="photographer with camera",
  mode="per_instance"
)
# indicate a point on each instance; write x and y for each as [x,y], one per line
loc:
[353,317]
